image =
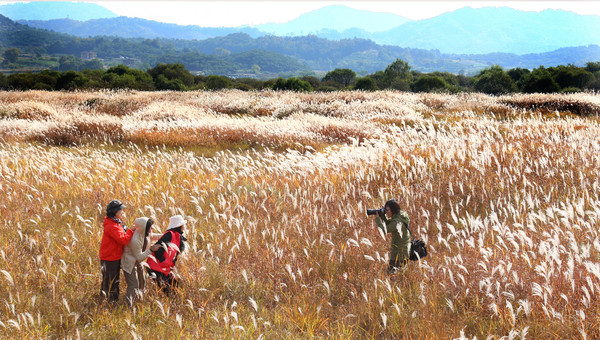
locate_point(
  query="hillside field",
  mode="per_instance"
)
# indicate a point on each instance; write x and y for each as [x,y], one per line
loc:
[504,190]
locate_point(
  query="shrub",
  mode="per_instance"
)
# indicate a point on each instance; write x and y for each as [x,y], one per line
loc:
[344,77]
[366,84]
[429,83]
[540,81]
[595,85]
[494,80]
[217,82]
[571,76]
[292,84]
[173,75]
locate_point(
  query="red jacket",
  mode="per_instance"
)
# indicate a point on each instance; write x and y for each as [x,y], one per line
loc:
[113,240]
[169,262]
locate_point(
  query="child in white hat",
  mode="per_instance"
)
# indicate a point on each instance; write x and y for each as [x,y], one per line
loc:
[171,243]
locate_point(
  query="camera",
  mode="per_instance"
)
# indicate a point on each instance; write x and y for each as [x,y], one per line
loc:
[380,211]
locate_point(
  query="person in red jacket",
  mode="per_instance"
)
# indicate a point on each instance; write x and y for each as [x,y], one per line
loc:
[114,238]
[160,263]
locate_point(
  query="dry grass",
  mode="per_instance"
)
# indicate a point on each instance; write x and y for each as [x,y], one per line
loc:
[506,197]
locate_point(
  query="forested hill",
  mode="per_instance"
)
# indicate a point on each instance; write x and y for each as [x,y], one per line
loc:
[270,56]
[26,38]
[125,27]
[146,52]
[466,30]
[365,55]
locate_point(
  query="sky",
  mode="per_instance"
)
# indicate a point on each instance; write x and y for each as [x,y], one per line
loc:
[231,13]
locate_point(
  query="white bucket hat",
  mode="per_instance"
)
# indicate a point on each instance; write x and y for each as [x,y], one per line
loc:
[176,221]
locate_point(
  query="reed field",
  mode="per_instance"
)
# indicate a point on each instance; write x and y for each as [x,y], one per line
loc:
[504,190]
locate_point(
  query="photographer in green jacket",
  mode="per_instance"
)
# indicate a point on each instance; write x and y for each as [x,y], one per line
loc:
[395,221]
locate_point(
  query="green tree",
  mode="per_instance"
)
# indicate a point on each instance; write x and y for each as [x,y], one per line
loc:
[397,75]
[72,80]
[217,82]
[123,77]
[95,77]
[540,80]
[46,80]
[494,80]
[279,84]
[366,84]
[517,75]
[343,76]
[429,83]
[163,83]
[251,82]
[592,66]
[119,70]
[115,81]
[94,64]
[464,81]
[170,73]
[450,79]
[3,82]
[292,84]
[379,78]
[242,86]
[21,81]
[595,85]
[11,55]
[70,63]
[312,80]
[398,68]
[571,76]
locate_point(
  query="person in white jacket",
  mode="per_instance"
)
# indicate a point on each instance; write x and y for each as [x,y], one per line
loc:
[133,254]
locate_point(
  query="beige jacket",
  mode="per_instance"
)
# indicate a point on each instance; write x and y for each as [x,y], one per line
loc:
[133,250]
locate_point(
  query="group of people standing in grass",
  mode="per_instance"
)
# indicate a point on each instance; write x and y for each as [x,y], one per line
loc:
[126,248]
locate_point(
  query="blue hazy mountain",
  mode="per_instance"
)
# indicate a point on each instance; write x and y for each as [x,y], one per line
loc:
[125,27]
[464,31]
[490,29]
[46,10]
[237,53]
[337,18]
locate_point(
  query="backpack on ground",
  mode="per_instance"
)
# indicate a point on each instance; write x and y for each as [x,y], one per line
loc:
[418,249]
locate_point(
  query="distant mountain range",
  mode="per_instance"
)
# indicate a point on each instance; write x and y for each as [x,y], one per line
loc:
[467,30]
[466,40]
[490,29]
[239,54]
[47,10]
[125,27]
[336,18]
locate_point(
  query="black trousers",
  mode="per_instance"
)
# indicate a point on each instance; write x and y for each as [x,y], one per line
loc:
[165,282]
[111,271]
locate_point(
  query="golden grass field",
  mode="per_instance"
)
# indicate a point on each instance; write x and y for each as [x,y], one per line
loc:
[504,190]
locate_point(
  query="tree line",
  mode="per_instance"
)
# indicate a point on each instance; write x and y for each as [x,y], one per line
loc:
[397,76]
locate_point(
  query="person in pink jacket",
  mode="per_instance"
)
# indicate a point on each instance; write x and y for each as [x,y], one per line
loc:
[162,261]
